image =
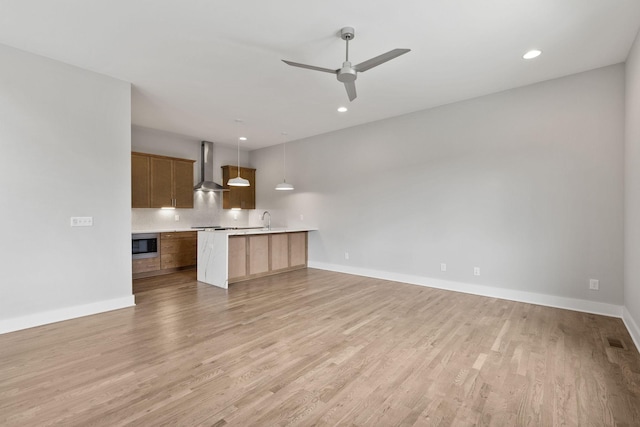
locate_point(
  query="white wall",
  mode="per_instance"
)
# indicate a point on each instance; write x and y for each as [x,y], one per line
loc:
[526,184]
[632,193]
[207,205]
[64,144]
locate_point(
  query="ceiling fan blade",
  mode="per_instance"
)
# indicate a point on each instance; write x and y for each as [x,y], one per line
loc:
[310,67]
[380,59]
[351,90]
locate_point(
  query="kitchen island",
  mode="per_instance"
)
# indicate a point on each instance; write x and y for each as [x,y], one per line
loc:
[228,256]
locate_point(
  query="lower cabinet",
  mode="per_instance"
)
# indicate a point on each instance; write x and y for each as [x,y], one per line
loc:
[237,257]
[178,250]
[298,250]
[146,264]
[259,254]
[264,254]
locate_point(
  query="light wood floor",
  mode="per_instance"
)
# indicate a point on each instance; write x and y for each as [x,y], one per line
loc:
[318,348]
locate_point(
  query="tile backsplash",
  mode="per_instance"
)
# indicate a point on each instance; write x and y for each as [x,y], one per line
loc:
[207,210]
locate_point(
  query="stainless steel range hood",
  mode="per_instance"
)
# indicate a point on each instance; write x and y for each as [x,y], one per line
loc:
[206,169]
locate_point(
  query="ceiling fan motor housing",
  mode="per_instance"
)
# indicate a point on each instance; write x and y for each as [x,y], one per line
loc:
[347,33]
[346,73]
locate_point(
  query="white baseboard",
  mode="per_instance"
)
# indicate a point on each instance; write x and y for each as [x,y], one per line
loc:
[632,327]
[487,291]
[39,319]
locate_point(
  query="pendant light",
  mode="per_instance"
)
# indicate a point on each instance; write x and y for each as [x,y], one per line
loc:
[284,185]
[239,181]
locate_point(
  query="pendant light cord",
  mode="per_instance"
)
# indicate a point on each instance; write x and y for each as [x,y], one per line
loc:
[238,157]
[284,162]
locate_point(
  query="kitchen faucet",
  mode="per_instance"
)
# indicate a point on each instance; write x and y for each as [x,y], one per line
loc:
[269,223]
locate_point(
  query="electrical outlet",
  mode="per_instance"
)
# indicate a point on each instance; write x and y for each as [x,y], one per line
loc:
[476,271]
[81,221]
[594,284]
[346,255]
[177,217]
[443,266]
[301,217]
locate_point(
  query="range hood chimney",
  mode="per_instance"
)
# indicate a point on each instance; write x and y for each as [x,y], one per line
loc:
[206,169]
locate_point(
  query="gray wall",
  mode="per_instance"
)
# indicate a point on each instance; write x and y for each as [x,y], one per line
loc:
[207,206]
[632,193]
[526,184]
[65,139]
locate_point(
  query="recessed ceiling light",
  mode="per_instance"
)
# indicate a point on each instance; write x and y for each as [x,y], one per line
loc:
[534,53]
[342,109]
[243,138]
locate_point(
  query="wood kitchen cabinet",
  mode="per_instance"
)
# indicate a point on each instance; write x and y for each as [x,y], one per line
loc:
[160,181]
[140,184]
[178,249]
[237,257]
[145,265]
[279,251]
[248,257]
[297,250]
[260,255]
[239,197]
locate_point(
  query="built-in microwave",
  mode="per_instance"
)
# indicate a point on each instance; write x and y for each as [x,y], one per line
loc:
[144,245]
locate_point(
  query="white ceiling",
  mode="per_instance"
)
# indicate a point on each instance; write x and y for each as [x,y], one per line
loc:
[197,65]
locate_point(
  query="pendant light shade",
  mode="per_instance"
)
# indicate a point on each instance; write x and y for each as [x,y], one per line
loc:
[284,185]
[239,181]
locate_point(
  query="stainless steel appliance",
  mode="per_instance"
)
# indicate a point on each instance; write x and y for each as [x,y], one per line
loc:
[144,245]
[206,169]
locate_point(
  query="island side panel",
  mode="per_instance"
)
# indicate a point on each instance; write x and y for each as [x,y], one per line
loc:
[213,258]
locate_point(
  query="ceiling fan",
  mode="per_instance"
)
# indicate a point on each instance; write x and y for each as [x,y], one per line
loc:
[349,73]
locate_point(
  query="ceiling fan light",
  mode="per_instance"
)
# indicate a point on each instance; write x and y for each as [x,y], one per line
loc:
[238,182]
[284,186]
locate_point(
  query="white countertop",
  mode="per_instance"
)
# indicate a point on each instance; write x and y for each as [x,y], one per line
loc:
[238,231]
[164,230]
[273,230]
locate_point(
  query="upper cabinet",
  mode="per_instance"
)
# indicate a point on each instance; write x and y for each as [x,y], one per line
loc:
[140,184]
[239,197]
[159,181]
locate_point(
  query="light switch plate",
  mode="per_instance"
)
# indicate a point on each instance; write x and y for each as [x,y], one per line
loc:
[81,221]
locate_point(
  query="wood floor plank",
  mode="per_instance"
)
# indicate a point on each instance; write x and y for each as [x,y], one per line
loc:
[312,347]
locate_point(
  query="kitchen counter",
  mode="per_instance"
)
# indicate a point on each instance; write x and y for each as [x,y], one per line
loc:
[163,230]
[213,251]
[250,230]
[178,230]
